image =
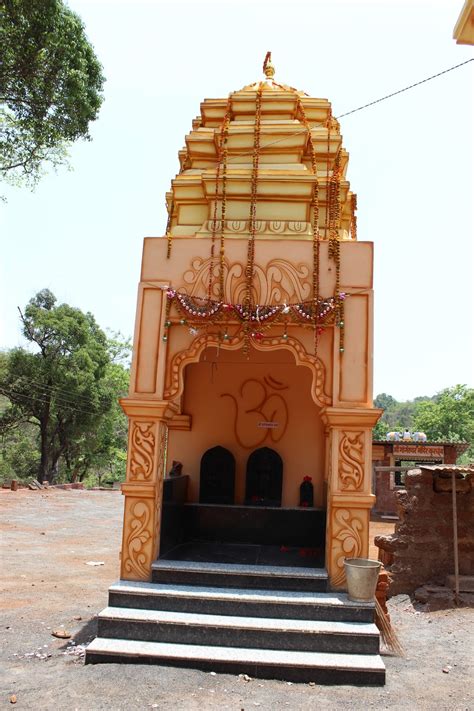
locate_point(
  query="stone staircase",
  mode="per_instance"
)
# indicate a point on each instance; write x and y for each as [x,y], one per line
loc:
[265,621]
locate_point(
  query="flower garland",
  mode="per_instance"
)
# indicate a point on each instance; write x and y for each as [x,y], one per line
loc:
[353,216]
[204,311]
[252,316]
[249,270]
[334,247]
[315,214]
[221,166]
[168,233]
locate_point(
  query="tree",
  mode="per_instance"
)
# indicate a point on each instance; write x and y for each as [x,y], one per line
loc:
[103,451]
[384,401]
[449,416]
[61,385]
[50,86]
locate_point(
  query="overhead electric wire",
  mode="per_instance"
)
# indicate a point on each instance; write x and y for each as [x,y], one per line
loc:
[68,394]
[67,405]
[359,108]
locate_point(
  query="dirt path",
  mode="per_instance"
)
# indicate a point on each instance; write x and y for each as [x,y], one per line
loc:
[47,540]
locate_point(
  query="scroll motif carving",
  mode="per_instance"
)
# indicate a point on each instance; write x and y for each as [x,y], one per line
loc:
[278,282]
[142,448]
[137,544]
[351,460]
[347,534]
[259,400]
[192,354]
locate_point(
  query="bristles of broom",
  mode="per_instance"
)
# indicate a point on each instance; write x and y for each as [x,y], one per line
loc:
[389,637]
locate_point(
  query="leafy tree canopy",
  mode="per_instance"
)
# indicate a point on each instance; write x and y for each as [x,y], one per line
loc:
[66,385]
[445,417]
[50,85]
[449,416]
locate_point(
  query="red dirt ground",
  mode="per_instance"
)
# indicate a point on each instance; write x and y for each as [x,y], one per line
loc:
[48,537]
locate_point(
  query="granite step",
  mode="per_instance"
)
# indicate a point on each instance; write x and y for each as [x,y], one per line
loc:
[200,599]
[253,577]
[296,666]
[232,631]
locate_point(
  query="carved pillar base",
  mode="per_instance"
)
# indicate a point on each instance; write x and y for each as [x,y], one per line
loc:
[349,487]
[143,489]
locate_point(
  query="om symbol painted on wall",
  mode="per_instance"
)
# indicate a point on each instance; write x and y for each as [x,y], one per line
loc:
[260,412]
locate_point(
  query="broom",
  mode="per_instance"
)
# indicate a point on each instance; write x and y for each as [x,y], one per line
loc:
[387,633]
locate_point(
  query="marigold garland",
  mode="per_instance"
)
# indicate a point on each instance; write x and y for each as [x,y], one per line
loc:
[168,233]
[249,270]
[315,215]
[353,216]
[221,166]
[334,247]
[311,312]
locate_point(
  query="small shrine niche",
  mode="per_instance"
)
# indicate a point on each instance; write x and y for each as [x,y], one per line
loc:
[264,478]
[217,477]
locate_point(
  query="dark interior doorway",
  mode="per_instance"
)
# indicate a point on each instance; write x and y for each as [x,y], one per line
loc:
[264,478]
[217,477]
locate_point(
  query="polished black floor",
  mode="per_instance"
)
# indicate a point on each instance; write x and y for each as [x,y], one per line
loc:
[247,554]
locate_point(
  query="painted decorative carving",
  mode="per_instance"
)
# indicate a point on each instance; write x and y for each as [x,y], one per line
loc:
[192,355]
[142,451]
[351,460]
[261,226]
[138,540]
[259,402]
[278,282]
[348,543]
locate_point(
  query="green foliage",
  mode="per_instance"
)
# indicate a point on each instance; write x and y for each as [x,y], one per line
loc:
[449,417]
[66,386]
[50,86]
[397,416]
[446,417]
[19,454]
[380,430]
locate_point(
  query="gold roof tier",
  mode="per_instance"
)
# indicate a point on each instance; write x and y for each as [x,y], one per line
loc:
[292,125]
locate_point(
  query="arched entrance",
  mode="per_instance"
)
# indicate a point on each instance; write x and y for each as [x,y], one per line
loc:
[260,411]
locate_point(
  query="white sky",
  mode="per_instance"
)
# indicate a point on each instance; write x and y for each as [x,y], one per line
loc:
[80,233]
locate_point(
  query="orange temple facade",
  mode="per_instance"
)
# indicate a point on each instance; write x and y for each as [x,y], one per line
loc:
[254,324]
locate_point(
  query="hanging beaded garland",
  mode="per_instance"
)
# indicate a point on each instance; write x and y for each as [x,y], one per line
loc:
[334,249]
[353,216]
[221,167]
[168,233]
[202,309]
[315,221]
[251,317]
[249,269]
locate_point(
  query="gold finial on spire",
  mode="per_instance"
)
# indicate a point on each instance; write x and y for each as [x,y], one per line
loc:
[268,68]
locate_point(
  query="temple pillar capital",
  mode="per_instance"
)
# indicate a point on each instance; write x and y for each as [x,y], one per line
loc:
[344,416]
[147,408]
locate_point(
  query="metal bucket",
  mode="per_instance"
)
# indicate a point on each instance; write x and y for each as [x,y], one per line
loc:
[362,575]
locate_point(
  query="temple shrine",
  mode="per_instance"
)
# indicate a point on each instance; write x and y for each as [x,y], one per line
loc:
[250,405]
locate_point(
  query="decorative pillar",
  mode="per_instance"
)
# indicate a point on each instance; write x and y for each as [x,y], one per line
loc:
[143,488]
[349,496]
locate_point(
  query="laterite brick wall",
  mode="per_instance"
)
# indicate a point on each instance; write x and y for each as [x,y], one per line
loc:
[421,548]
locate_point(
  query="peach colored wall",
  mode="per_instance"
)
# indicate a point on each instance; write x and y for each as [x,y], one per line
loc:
[279,390]
[347,379]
